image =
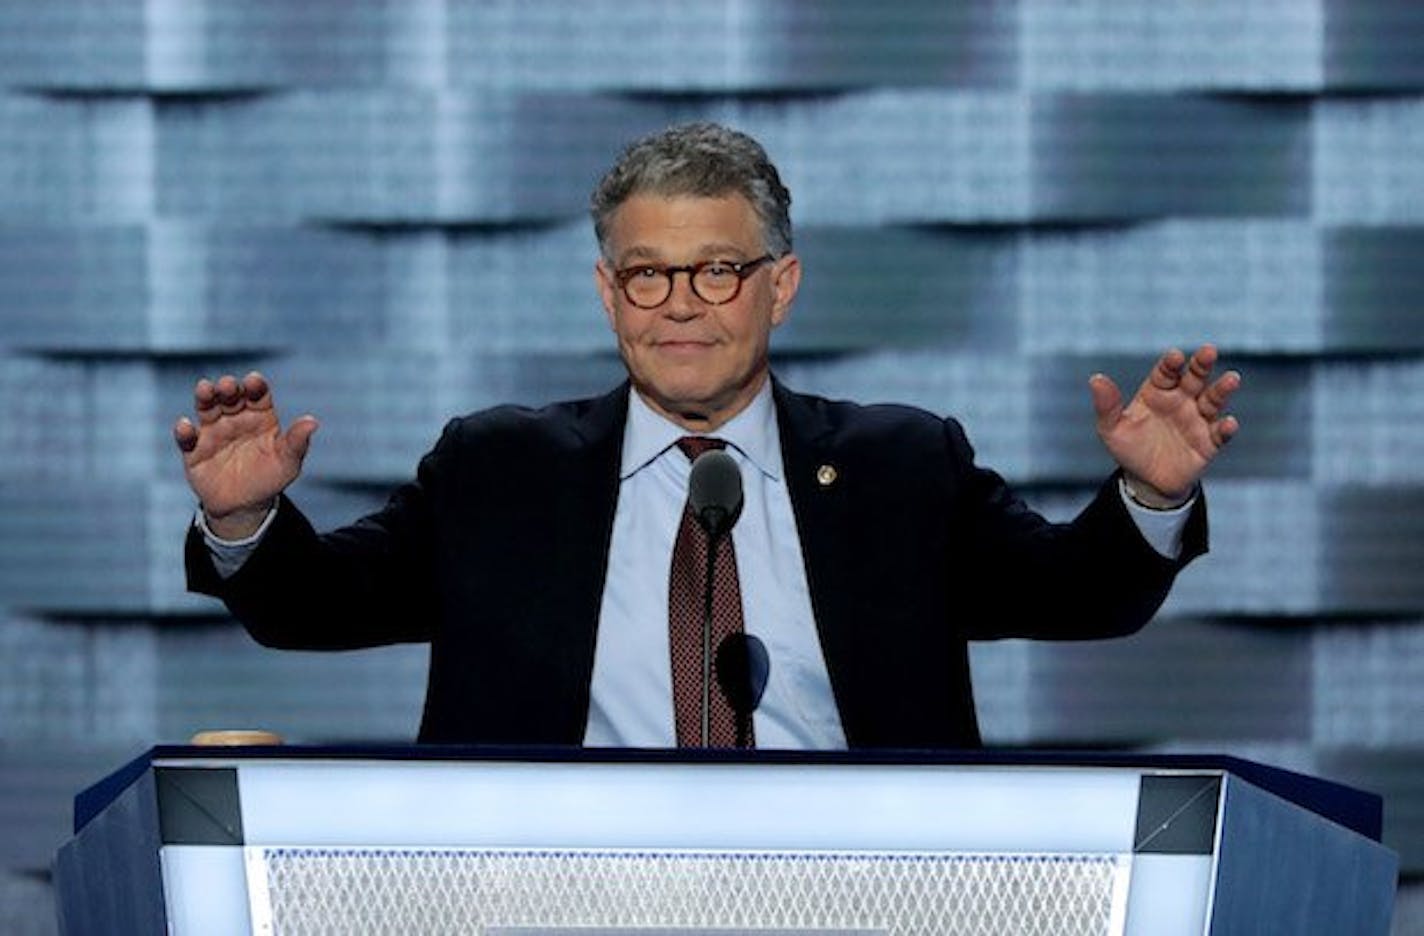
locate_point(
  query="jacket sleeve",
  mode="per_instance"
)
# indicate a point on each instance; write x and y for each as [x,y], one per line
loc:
[1095,576]
[368,584]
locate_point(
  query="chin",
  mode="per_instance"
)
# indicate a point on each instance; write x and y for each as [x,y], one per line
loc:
[681,400]
[685,403]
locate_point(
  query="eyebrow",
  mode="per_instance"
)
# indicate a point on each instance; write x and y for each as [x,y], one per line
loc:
[720,251]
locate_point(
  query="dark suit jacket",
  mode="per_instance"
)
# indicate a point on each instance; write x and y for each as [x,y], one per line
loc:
[496,554]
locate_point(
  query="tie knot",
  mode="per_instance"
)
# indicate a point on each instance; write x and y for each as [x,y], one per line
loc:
[692,446]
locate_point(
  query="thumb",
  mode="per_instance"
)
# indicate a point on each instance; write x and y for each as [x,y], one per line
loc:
[299,435]
[1107,401]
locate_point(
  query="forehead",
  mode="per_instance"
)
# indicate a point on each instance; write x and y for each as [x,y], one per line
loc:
[680,226]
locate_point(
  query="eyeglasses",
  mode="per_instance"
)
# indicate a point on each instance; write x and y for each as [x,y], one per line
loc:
[715,282]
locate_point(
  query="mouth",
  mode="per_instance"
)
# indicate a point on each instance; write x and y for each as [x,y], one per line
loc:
[684,346]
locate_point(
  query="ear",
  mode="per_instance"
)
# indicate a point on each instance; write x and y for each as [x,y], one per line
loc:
[603,282]
[785,281]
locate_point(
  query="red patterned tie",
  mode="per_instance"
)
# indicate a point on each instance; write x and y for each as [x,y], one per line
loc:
[686,593]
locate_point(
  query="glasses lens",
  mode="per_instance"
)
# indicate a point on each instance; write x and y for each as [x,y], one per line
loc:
[716,282]
[647,287]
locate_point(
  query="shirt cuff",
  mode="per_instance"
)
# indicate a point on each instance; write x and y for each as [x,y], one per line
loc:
[1161,528]
[229,555]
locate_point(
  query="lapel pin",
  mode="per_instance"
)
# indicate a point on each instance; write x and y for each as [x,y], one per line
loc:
[826,475]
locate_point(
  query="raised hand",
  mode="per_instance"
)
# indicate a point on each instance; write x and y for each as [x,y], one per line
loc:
[237,458]
[1165,438]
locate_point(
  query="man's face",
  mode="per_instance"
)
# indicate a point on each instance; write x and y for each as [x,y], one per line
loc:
[696,363]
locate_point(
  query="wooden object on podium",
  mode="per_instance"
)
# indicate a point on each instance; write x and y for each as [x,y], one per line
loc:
[290,840]
[235,737]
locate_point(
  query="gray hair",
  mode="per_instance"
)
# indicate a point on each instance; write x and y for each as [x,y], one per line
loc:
[703,160]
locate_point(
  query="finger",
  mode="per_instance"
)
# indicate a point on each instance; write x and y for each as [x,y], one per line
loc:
[1198,369]
[1224,430]
[185,435]
[205,401]
[1107,401]
[298,439]
[1167,373]
[256,391]
[1213,401]
[231,398]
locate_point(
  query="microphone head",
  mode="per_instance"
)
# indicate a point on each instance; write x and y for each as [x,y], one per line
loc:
[743,666]
[715,491]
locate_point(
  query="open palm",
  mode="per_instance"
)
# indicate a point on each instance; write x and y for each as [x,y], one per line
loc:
[1170,431]
[237,459]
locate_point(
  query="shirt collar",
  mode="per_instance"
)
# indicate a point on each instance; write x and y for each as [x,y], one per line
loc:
[752,432]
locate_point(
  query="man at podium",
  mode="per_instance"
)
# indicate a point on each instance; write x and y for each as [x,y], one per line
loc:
[818,592]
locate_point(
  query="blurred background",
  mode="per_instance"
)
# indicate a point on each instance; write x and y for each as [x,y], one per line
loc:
[381,204]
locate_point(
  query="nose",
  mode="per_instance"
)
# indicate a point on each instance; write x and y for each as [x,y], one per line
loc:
[682,303]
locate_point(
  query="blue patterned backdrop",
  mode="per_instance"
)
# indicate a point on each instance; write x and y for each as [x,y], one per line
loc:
[381,205]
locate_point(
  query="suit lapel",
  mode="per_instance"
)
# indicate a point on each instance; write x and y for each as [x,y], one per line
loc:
[595,468]
[817,483]
[585,529]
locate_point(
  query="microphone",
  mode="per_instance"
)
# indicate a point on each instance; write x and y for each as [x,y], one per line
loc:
[714,492]
[743,666]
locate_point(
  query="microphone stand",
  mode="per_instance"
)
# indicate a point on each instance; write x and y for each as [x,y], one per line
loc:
[715,517]
[744,727]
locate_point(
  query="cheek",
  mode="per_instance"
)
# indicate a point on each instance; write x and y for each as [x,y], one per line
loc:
[632,329]
[750,331]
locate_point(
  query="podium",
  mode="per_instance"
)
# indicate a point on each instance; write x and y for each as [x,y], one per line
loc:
[612,843]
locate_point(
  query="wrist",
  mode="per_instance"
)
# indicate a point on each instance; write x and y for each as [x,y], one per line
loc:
[237,524]
[1145,495]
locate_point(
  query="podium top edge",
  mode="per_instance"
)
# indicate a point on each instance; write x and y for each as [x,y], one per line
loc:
[1357,810]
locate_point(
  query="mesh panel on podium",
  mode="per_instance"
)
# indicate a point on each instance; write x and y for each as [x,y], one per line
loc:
[501,892]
